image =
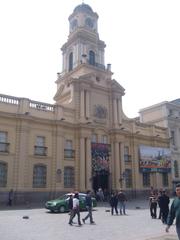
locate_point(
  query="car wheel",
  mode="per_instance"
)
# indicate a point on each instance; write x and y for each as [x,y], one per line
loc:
[62,209]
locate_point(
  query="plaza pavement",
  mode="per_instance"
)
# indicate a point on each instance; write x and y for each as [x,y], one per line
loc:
[43,225]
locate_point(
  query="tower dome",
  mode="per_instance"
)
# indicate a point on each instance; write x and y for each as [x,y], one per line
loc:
[83,8]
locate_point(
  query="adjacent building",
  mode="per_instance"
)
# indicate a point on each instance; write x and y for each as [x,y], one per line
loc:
[167,114]
[84,140]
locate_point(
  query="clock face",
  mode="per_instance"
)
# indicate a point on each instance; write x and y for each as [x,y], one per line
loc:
[89,22]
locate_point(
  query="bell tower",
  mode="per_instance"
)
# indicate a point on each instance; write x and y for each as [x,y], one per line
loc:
[83,43]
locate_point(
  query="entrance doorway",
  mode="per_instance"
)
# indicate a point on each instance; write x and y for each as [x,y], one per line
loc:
[100,180]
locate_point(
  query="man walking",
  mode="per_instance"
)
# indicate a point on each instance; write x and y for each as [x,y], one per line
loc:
[164,206]
[89,208]
[76,209]
[175,212]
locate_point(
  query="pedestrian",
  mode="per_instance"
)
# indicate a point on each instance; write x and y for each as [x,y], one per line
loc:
[76,209]
[175,212]
[114,203]
[100,195]
[70,206]
[10,197]
[122,202]
[153,205]
[89,204]
[164,206]
[159,204]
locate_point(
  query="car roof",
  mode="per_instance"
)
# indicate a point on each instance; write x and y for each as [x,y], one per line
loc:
[74,193]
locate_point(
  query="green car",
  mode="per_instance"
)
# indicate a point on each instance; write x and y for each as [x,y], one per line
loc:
[61,204]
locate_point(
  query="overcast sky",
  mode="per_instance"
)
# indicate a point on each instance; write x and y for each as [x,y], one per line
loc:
[142,43]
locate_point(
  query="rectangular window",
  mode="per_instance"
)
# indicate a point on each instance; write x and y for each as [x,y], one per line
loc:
[68,151]
[3,174]
[127,157]
[165,181]
[146,180]
[173,137]
[68,177]
[4,145]
[39,148]
[128,178]
[39,176]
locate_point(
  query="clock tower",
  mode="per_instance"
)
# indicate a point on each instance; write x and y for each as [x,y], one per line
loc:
[83,43]
[85,84]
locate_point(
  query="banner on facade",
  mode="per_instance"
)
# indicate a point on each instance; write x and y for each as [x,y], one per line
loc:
[100,157]
[154,159]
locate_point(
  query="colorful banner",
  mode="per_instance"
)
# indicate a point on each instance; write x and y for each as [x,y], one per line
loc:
[154,159]
[100,157]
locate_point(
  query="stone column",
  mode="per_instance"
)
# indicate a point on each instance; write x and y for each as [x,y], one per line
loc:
[115,111]
[117,165]
[122,163]
[59,160]
[82,165]
[82,104]
[88,165]
[112,165]
[21,174]
[119,111]
[87,105]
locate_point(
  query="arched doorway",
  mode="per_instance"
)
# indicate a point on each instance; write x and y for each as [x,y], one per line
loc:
[100,166]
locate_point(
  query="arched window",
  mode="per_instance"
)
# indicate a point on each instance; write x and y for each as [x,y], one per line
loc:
[70,61]
[176,170]
[69,177]
[3,174]
[39,176]
[91,58]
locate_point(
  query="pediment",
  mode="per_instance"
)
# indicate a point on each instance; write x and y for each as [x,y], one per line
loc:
[117,87]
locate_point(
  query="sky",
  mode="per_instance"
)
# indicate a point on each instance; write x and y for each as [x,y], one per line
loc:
[142,44]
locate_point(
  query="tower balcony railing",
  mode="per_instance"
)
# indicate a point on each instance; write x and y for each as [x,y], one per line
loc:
[98,65]
[4,147]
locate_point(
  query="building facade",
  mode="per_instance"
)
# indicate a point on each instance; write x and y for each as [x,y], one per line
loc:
[83,141]
[167,114]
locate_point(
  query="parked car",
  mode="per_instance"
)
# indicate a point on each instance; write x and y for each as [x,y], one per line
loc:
[61,204]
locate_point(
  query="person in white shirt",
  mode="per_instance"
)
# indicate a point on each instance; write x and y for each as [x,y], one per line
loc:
[75,210]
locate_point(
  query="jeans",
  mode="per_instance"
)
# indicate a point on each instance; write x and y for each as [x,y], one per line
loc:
[178,231]
[89,215]
[122,207]
[73,214]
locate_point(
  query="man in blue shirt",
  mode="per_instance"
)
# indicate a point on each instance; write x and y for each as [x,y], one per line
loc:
[89,208]
[175,212]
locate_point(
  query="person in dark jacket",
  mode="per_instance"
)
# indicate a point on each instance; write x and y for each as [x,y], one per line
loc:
[163,201]
[114,203]
[70,207]
[89,208]
[159,202]
[175,212]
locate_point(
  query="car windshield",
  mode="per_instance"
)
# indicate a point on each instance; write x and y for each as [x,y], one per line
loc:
[64,197]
